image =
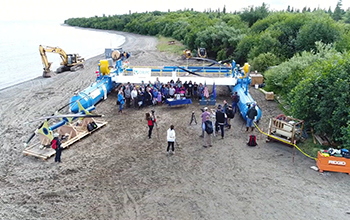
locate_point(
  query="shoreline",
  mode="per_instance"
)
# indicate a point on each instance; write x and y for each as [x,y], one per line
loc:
[35,79]
[126,36]
[37,74]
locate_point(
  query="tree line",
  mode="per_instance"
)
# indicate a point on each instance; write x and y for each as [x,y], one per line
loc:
[307,48]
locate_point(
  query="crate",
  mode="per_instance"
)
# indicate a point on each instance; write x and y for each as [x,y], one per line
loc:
[334,164]
[256,78]
[270,96]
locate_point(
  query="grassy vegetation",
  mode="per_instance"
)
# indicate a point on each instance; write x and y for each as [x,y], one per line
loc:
[309,147]
[164,46]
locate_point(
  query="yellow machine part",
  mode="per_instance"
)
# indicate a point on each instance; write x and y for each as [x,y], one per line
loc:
[104,65]
[44,130]
[246,68]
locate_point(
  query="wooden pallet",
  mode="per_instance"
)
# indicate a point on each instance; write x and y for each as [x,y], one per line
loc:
[323,140]
[37,150]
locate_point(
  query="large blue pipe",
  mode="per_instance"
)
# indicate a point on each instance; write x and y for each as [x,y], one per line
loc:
[93,94]
[245,99]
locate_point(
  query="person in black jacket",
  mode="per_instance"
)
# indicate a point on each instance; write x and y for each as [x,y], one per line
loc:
[251,116]
[195,89]
[56,145]
[140,99]
[220,120]
[190,89]
[235,100]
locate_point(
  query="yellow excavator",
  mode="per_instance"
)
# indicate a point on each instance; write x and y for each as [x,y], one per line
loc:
[70,62]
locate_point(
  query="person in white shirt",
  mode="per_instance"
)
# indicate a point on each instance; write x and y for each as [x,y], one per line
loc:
[171,92]
[171,139]
[134,97]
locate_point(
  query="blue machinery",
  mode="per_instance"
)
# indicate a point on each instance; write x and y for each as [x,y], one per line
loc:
[104,83]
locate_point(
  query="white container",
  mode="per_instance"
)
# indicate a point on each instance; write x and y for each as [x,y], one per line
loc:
[256,86]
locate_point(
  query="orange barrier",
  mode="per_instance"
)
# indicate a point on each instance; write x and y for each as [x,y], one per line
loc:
[334,164]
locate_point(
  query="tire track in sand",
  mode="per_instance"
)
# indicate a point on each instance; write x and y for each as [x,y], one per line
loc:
[132,199]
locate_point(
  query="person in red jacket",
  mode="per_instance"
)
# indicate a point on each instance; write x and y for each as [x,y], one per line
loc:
[151,122]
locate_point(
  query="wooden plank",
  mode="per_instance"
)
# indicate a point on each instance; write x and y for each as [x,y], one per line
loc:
[322,140]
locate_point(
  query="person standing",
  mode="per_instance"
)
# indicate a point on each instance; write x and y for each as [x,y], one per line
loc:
[235,100]
[127,93]
[171,92]
[195,90]
[121,101]
[147,97]
[134,97]
[225,107]
[56,145]
[171,140]
[140,99]
[204,118]
[151,122]
[220,120]
[190,89]
[208,128]
[200,90]
[230,115]
[251,116]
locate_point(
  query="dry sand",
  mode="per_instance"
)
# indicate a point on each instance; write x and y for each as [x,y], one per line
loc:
[118,173]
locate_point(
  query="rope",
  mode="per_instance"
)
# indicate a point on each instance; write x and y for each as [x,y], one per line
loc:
[284,142]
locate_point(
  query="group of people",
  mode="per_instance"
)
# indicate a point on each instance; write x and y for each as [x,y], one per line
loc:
[151,121]
[152,94]
[143,95]
[223,116]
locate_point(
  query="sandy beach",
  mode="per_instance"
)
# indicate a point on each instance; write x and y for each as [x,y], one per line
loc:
[118,173]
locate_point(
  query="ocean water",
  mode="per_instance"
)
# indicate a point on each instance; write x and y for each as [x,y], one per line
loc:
[19,47]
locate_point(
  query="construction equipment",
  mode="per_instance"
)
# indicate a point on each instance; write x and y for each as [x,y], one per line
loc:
[70,62]
[187,54]
[202,53]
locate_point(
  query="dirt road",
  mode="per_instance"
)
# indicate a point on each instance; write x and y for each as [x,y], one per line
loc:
[118,173]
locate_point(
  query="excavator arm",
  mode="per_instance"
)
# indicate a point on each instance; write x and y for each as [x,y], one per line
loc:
[44,59]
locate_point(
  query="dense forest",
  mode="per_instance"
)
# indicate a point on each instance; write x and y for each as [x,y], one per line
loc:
[303,54]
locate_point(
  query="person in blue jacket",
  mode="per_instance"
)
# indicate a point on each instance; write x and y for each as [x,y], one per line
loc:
[121,101]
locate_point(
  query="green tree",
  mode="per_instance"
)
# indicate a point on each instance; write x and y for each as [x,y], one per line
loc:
[321,28]
[266,42]
[347,17]
[262,62]
[251,14]
[288,74]
[321,99]
[243,48]
[338,12]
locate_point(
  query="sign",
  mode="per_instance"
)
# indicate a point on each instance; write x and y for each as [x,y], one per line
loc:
[335,162]
[142,72]
[95,93]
